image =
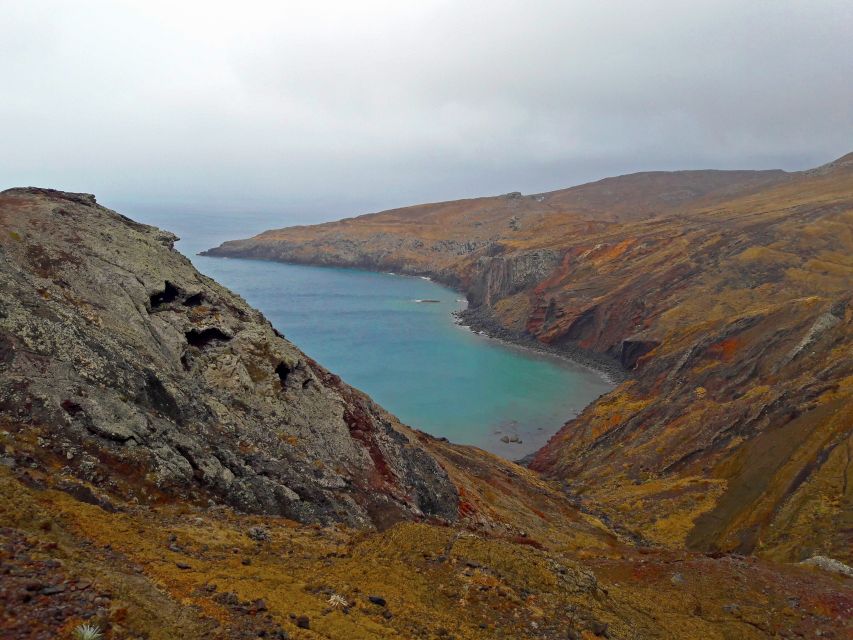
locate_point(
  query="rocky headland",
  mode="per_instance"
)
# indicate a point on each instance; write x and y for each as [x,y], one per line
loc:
[113,335]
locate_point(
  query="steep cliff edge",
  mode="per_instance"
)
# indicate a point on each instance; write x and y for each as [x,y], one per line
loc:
[124,366]
[727,294]
[735,431]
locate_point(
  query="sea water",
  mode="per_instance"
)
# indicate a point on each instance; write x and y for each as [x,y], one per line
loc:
[376,331]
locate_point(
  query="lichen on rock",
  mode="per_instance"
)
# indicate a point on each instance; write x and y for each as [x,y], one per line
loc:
[114,344]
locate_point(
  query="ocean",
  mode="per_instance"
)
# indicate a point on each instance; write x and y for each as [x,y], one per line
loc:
[377,333]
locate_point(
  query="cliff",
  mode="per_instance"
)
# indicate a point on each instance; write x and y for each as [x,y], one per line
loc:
[724,296]
[130,369]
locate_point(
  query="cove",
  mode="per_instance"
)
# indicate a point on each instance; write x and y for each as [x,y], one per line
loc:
[394,338]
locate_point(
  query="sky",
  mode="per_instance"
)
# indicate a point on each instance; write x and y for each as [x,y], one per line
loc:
[323,109]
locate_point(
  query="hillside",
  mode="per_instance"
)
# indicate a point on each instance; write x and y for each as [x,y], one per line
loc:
[114,345]
[724,295]
[172,467]
[443,238]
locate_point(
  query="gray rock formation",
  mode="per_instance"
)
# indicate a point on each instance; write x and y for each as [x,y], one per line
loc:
[502,275]
[138,374]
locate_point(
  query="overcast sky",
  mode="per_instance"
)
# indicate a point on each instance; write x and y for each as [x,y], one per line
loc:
[325,109]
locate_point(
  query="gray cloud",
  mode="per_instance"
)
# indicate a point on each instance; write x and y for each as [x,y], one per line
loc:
[324,109]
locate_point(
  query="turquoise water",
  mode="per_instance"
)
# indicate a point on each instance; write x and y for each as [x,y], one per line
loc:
[408,355]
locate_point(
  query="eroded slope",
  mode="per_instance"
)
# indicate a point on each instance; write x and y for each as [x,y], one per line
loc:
[181,571]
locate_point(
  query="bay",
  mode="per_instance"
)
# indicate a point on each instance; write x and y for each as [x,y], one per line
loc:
[377,333]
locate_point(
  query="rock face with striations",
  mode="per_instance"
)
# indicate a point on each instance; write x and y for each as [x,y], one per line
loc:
[124,366]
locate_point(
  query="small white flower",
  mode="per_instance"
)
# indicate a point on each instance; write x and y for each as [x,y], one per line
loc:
[336,601]
[88,632]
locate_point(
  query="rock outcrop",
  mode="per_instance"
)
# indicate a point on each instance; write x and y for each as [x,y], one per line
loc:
[502,276]
[122,365]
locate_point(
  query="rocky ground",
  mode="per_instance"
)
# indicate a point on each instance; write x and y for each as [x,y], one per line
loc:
[184,571]
[482,319]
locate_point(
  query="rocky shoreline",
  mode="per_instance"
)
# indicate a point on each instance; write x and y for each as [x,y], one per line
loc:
[481,320]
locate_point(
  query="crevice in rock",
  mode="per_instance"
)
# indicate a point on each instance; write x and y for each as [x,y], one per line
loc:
[582,325]
[71,408]
[282,371]
[633,350]
[169,294]
[202,338]
[194,300]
